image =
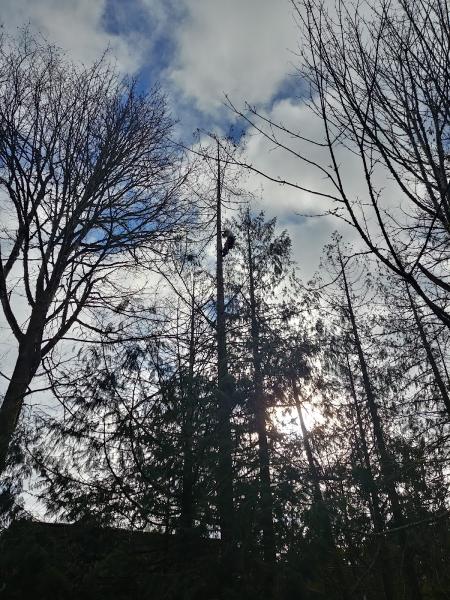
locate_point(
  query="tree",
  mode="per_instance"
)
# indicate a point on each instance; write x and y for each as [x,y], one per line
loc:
[224,381]
[360,495]
[90,184]
[379,82]
[264,258]
[387,462]
[134,447]
[387,412]
[256,278]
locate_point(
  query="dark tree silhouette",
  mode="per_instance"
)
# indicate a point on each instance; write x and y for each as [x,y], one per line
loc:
[89,183]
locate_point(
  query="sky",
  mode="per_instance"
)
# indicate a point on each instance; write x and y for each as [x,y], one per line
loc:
[198,51]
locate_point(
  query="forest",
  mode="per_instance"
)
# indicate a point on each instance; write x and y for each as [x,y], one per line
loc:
[186,415]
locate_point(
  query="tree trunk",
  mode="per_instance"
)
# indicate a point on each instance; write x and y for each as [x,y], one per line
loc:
[374,499]
[386,459]
[259,407]
[27,363]
[224,391]
[187,497]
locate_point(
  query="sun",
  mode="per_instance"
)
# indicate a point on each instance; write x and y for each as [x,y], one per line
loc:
[286,418]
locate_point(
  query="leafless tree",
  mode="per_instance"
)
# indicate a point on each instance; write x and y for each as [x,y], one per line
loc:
[379,79]
[89,185]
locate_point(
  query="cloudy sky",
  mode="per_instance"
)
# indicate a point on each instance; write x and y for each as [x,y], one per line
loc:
[199,50]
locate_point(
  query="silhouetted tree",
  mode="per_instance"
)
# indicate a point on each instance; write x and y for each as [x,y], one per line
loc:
[89,182]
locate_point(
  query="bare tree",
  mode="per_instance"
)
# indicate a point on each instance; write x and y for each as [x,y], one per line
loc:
[89,183]
[379,80]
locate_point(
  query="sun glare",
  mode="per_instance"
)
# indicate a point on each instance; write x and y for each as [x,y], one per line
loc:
[286,418]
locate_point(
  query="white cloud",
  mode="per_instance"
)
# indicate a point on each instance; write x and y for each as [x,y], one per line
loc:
[240,47]
[76,26]
[289,203]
